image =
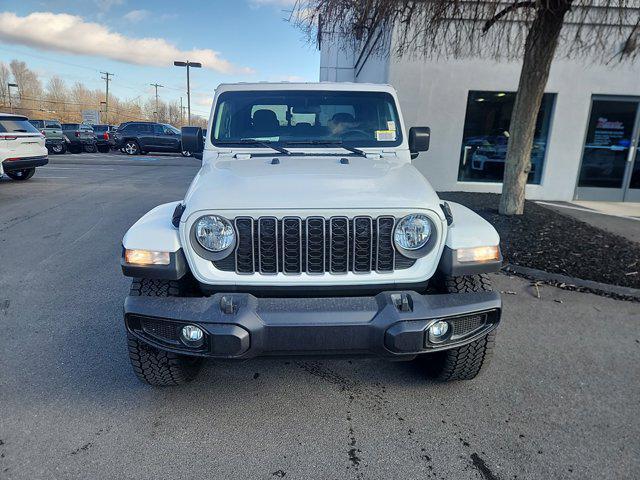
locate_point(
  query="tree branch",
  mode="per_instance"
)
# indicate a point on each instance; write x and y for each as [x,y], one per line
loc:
[489,23]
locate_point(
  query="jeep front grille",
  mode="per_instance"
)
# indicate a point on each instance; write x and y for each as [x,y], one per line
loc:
[314,245]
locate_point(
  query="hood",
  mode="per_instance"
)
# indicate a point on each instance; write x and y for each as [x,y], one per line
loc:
[318,182]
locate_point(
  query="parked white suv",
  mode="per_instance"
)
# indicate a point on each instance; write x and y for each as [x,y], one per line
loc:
[307,231]
[22,147]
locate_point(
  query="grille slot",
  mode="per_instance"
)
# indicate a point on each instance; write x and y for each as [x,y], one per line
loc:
[386,253]
[339,247]
[315,245]
[245,258]
[315,233]
[268,245]
[291,245]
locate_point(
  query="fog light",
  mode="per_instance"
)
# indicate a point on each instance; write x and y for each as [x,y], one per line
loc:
[192,336]
[438,331]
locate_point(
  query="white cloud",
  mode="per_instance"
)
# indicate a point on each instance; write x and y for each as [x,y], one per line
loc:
[136,15]
[72,34]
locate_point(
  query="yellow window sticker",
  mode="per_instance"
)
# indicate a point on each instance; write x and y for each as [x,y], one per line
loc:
[385,135]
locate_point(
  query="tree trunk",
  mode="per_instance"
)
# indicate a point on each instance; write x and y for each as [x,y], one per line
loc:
[539,50]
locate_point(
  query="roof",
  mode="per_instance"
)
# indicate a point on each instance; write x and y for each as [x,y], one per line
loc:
[336,86]
[21,117]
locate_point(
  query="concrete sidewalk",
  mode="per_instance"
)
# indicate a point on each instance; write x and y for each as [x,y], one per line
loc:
[620,218]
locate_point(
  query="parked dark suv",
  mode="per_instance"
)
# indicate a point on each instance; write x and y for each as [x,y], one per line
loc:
[135,138]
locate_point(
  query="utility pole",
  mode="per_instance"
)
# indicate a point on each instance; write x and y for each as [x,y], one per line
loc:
[193,65]
[181,113]
[156,85]
[106,103]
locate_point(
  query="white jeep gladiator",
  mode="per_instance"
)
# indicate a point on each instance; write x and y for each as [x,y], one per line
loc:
[307,231]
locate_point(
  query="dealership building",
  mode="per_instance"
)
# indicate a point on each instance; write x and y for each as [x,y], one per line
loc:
[587,133]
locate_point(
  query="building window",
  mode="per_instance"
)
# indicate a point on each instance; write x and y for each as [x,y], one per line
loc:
[486,134]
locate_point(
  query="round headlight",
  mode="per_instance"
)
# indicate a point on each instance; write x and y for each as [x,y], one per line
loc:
[412,232]
[214,233]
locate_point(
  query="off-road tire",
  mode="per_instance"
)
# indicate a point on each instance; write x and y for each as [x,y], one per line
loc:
[104,149]
[467,361]
[90,148]
[151,365]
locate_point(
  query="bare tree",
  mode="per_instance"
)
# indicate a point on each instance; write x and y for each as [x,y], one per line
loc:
[29,88]
[532,30]
[5,78]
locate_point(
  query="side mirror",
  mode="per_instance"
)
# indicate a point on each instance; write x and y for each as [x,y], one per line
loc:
[192,141]
[419,140]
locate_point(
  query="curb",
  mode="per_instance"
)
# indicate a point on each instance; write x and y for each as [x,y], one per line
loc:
[577,284]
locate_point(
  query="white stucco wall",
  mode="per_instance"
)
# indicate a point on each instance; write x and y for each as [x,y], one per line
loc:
[434,93]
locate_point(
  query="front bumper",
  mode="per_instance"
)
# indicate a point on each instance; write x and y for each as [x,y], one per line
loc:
[239,325]
[24,163]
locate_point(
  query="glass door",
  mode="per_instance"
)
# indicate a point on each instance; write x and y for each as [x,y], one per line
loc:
[607,170]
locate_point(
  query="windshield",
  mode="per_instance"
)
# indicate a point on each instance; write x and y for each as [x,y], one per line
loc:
[16,125]
[291,117]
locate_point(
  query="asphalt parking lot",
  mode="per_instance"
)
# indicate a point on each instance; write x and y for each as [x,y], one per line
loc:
[560,400]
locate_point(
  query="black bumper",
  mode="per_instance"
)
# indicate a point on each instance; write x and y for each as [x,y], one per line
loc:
[24,163]
[240,325]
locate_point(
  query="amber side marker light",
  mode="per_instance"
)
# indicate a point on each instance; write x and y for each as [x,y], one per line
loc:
[146,257]
[478,254]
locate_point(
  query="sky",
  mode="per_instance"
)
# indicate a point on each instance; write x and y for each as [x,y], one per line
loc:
[137,41]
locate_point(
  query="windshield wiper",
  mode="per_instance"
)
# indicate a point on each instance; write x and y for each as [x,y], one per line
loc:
[260,143]
[329,143]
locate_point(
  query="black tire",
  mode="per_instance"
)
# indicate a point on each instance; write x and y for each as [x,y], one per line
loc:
[21,175]
[90,148]
[131,147]
[104,149]
[59,148]
[151,365]
[467,361]
[75,149]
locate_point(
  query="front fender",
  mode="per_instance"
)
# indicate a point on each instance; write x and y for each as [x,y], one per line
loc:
[468,230]
[155,232]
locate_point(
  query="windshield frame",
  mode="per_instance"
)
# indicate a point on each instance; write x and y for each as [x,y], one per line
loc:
[315,143]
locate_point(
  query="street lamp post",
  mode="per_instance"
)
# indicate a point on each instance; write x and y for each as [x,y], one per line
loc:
[9,85]
[193,65]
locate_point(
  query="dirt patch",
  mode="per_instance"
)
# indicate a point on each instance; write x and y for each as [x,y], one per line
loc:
[547,240]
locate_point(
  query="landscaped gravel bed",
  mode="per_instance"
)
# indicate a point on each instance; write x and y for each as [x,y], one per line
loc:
[547,240]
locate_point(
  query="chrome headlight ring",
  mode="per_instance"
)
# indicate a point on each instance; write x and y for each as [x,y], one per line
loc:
[415,235]
[213,237]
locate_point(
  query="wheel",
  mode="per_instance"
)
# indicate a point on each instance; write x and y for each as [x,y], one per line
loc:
[75,149]
[21,175]
[467,361]
[90,148]
[104,149]
[131,147]
[151,365]
[186,153]
[58,148]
